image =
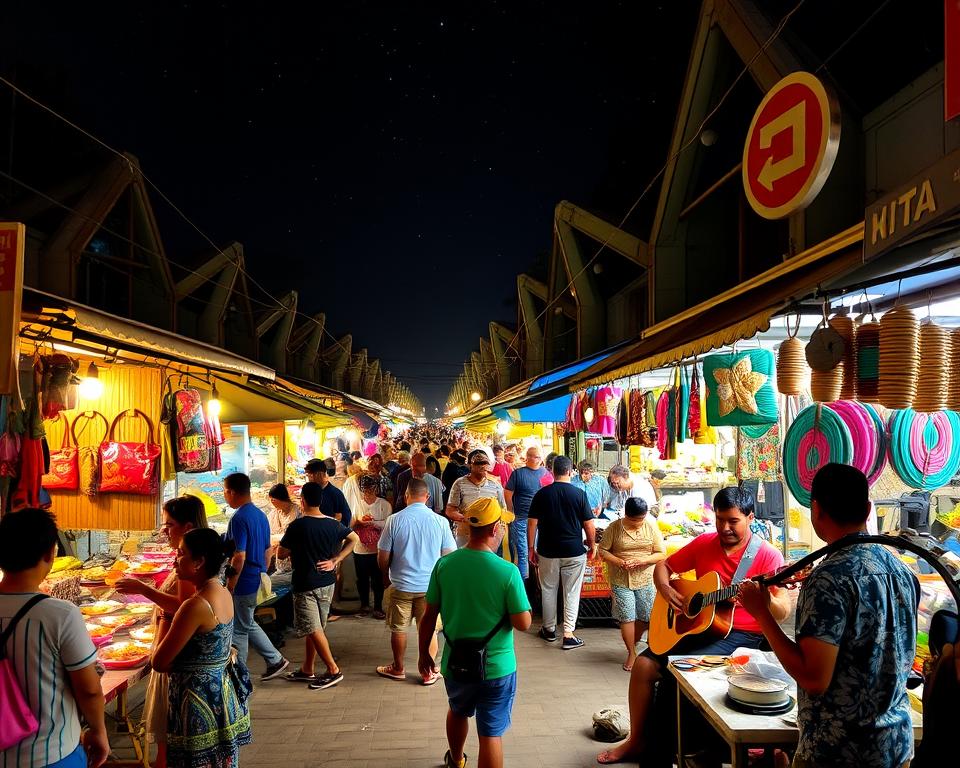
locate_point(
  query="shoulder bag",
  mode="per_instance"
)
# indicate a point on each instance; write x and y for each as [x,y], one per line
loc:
[467,662]
[17,720]
[88,456]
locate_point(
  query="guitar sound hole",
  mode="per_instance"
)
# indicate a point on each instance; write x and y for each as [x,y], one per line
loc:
[695,605]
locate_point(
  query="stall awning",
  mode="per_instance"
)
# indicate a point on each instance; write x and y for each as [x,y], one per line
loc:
[249,401]
[739,313]
[548,412]
[81,323]
[559,375]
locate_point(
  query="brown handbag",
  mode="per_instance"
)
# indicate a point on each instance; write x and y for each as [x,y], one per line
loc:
[126,466]
[88,456]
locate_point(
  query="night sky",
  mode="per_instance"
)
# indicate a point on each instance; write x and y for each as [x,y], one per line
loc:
[397,163]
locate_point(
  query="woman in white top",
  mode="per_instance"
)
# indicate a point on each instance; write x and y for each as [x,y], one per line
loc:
[282,512]
[624,485]
[369,516]
[51,654]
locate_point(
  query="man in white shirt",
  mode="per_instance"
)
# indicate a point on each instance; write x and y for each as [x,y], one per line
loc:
[466,490]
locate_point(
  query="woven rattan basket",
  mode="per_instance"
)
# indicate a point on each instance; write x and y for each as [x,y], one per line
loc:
[825,386]
[844,325]
[933,383]
[793,373]
[868,362]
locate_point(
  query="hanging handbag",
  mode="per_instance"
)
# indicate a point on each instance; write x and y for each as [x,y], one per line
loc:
[17,720]
[88,456]
[129,467]
[64,474]
[168,416]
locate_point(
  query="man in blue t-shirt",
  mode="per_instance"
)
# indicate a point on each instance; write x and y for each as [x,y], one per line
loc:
[249,530]
[856,638]
[519,492]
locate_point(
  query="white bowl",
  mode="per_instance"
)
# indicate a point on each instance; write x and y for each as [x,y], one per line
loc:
[753,689]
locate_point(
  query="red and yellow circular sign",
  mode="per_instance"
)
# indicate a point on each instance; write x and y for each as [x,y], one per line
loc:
[791,146]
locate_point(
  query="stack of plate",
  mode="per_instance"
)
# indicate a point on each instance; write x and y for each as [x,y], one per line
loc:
[758,695]
[899,358]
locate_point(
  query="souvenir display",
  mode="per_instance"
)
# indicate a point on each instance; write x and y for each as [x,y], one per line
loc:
[925,447]
[847,330]
[129,467]
[933,385]
[64,471]
[740,388]
[868,361]
[818,436]
[899,358]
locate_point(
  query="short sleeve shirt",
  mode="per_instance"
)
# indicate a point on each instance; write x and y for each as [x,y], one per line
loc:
[310,540]
[416,537]
[864,601]
[333,503]
[524,483]
[49,642]
[474,591]
[627,544]
[705,554]
[249,529]
[560,510]
[464,492]
[595,489]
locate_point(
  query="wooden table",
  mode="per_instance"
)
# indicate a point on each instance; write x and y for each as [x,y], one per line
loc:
[115,684]
[708,691]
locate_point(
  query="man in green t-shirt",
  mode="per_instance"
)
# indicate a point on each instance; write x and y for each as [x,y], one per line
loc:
[475,590]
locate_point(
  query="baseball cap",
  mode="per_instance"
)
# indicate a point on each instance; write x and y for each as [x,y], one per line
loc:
[315,465]
[478,456]
[485,511]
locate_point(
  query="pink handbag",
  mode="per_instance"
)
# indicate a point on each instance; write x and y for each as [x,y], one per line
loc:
[17,720]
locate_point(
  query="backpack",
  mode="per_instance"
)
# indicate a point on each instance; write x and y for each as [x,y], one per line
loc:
[192,445]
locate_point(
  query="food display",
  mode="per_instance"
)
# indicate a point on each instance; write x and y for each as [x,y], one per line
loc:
[99,634]
[143,635]
[124,655]
[116,622]
[145,569]
[95,575]
[140,609]
[100,607]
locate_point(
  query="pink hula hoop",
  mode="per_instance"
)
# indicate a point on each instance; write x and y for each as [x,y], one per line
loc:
[932,461]
[862,430]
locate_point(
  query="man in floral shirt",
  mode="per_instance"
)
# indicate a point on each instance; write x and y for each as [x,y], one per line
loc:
[856,638]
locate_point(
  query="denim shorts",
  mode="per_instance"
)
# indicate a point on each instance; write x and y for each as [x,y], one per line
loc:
[491,701]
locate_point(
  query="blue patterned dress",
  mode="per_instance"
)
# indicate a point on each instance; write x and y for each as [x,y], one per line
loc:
[207,722]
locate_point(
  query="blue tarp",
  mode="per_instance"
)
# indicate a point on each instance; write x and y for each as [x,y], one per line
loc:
[550,411]
[570,370]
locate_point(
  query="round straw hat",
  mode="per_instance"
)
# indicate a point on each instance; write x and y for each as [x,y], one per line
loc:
[899,358]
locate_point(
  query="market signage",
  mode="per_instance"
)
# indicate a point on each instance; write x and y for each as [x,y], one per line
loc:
[12,237]
[912,208]
[791,146]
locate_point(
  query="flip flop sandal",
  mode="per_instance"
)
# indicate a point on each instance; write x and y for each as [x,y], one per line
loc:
[389,672]
[434,678]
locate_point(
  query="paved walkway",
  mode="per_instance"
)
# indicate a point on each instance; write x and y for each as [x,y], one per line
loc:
[370,721]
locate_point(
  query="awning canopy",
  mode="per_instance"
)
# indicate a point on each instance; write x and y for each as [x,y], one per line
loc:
[551,411]
[77,323]
[738,313]
[249,401]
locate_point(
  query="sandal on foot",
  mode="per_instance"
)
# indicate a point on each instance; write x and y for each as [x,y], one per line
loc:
[389,672]
[606,758]
[449,762]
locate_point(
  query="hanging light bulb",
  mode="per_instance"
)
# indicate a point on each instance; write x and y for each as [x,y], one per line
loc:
[309,431]
[503,427]
[213,404]
[91,388]
[475,396]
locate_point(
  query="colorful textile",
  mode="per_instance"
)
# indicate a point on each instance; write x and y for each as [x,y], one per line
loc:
[740,388]
[207,722]
[605,411]
[758,453]
[663,415]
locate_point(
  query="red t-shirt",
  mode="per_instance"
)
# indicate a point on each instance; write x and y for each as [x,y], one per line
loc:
[704,554]
[502,470]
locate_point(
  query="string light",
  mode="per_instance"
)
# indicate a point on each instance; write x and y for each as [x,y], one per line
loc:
[213,404]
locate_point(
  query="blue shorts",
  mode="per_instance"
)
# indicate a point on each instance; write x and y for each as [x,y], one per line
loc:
[491,701]
[76,759]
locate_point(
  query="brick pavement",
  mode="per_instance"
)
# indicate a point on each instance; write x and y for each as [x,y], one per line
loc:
[371,721]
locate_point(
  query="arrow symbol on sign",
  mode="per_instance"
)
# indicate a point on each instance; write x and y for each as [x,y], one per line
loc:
[792,120]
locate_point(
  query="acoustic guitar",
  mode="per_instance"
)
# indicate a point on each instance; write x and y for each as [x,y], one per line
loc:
[708,608]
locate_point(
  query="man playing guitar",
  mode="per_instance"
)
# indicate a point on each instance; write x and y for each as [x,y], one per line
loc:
[721,552]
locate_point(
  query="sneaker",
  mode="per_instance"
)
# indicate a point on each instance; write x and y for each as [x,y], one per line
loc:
[299,676]
[275,670]
[569,643]
[434,678]
[547,634]
[326,681]
[449,762]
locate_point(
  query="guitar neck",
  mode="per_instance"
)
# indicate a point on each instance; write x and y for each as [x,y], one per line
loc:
[727,593]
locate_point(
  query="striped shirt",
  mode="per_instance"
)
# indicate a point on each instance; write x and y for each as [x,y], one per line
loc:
[47,644]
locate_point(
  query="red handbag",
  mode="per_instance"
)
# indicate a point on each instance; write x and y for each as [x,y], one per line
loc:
[128,467]
[64,474]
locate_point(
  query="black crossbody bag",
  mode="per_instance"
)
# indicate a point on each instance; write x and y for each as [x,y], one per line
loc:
[467,662]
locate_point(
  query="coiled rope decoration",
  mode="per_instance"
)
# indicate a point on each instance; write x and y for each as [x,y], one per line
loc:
[925,447]
[883,443]
[818,436]
[792,370]
[934,383]
[867,432]
[868,362]
[899,358]
[844,325]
